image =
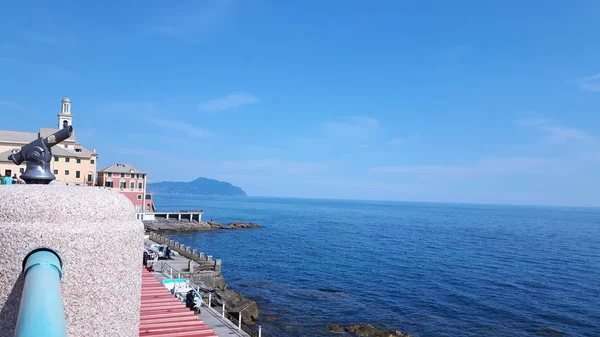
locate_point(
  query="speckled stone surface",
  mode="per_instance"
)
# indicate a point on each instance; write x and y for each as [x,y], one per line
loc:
[100,242]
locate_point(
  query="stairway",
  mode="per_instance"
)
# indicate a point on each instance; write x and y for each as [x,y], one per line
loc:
[162,314]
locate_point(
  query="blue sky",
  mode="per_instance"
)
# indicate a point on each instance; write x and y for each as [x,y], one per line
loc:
[462,101]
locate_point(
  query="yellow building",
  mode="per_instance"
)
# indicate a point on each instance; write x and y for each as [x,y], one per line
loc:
[72,163]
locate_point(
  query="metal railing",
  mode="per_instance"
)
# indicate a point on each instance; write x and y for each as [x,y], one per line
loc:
[253,332]
[190,211]
[207,299]
[41,311]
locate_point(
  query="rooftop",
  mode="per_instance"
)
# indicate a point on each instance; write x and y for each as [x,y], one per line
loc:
[77,152]
[121,168]
[8,136]
[20,138]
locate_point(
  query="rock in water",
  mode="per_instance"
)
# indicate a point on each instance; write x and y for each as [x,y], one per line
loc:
[178,226]
[238,225]
[335,328]
[368,330]
[214,225]
[235,302]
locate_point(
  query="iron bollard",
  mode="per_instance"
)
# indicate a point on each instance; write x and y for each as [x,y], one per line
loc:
[223,312]
[240,321]
[259,331]
[209,300]
[41,312]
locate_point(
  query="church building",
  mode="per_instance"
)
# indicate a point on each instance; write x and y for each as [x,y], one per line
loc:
[72,163]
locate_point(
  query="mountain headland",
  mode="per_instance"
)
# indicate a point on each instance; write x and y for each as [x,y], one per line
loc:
[199,186]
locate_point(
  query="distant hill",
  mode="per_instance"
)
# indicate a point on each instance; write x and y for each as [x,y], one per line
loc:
[202,186]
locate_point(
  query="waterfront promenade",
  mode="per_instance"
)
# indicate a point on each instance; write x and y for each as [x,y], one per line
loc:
[177,267]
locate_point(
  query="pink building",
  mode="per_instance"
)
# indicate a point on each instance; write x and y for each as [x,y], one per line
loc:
[130,182]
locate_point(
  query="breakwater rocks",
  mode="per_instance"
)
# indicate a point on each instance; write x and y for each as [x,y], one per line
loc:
[366,330]
[175,225]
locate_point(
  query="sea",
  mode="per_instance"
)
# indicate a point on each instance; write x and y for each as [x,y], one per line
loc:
[428,269]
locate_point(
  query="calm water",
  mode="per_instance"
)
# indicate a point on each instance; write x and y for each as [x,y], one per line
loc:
[428,269]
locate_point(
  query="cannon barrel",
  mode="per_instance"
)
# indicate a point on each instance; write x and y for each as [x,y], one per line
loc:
[58,136]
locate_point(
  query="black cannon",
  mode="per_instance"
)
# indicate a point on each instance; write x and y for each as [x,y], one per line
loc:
[38,155]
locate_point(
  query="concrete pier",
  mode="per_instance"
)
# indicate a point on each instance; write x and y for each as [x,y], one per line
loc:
[189,253]
[181,215]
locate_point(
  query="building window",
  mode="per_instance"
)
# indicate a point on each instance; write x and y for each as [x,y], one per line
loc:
[67,160]
[132,175]
[90,178]
[139,197]
[108,184]
[21,170]
[77,174]
[66,172]
[55,158]
[92,161]
[77,150]
[140,185]
[138,176]
[78,161]
[109,174]
[123,185]
[122,175]
[66,146]
[148,196]
[143,175]
[55,171]
[132,185]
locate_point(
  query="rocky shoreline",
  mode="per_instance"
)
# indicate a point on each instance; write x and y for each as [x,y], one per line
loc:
[174,225]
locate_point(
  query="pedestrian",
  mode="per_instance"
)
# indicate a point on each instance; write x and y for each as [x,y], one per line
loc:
[15,180]
[168,253]
[190,299]
[1,180]
[145,258]
[7,180]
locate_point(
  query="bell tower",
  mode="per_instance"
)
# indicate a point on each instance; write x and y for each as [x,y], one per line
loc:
[65,118]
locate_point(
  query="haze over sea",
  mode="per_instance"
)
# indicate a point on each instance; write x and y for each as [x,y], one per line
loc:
[424,268]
